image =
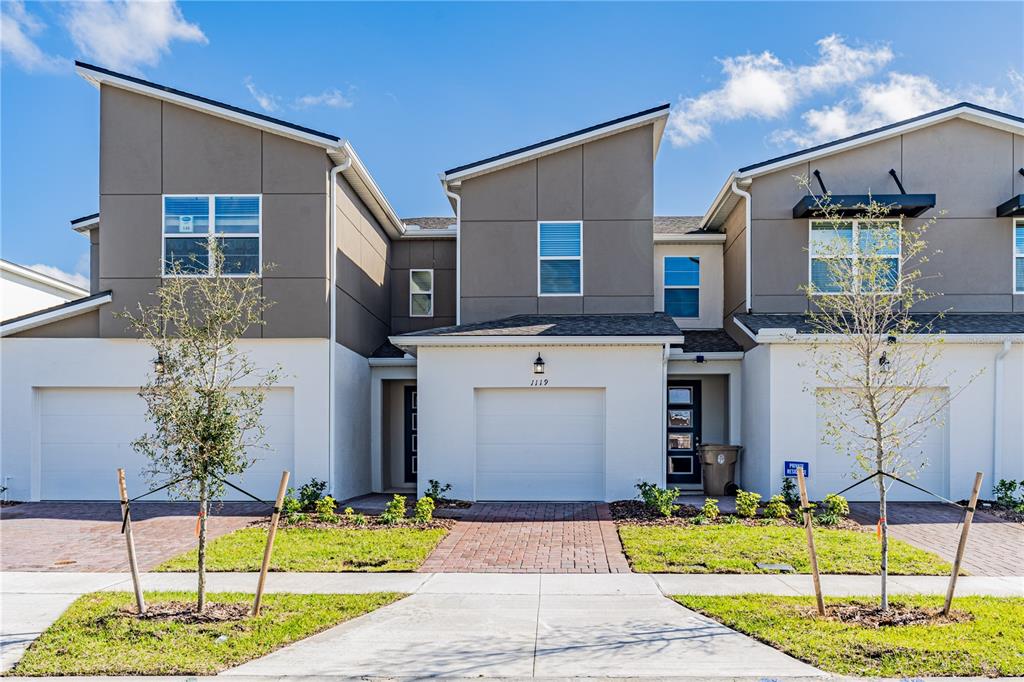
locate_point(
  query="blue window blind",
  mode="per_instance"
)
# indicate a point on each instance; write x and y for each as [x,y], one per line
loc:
[189,219]
[683,271]
[560,276]
[682,302]
[238,215]
[186,215]
[827,274]
[186,256]
[560,239]
[682,286]
[1018,262]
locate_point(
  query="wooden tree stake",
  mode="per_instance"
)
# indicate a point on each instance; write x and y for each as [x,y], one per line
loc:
[805,505]
[270,542]
[133,565]
[963,543]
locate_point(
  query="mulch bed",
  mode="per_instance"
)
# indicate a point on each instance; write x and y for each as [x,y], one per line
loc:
[185,612]
[995,509]
[636,513]
[871,616]
[372,523]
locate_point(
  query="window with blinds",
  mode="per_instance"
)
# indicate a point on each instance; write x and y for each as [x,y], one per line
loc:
[560,259]
[190,221]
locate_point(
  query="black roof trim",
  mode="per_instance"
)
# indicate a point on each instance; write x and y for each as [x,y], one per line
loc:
[1011,207]
[630,324]
[826,145]
[85,218]
[67,304]
[207,100]
[537,145]
[909,205]
[949,323]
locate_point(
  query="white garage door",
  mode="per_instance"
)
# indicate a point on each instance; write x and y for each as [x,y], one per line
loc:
[928,459]
[540,444]
[85,435]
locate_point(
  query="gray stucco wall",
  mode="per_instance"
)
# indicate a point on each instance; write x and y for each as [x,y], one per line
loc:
[608,184]
[435,254]
[970,168]
[94,260]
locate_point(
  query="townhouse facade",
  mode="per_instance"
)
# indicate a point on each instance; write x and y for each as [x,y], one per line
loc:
[552,339]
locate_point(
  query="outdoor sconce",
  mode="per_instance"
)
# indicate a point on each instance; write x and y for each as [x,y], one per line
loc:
[538,365]
[158,364]
[699,359]
[883,361]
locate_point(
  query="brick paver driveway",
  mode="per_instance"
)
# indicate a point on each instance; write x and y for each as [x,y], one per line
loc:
[86,536]
[531,537]
[994,546]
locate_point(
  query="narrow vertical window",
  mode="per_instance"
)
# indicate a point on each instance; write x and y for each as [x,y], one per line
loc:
[421,293]
[560,266]
[1018,256]
[682,286]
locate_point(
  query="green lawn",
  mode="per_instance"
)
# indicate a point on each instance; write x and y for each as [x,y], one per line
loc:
[736,548]
[93,638]
[330,550]
[989,644]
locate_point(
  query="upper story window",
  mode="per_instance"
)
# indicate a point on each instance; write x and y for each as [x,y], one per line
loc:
[1018,257]
[421,293]
[560,267]
[188,222]
[840,250]
[682,286]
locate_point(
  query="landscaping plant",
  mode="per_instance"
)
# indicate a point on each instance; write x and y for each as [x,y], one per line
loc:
[356,519]
[1005,492]
[394,512]
[776,508]
[436,491]
[661,500]
[311,493]
[204,398]
[789,492]
[423,512]
[746,504]
[325,509]
[871,359]
[710,511]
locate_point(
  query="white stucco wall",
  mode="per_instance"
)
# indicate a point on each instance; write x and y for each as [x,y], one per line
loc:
[755,460]
[31,363]
[351,468]
[711,282]
[791,408]
[631,376]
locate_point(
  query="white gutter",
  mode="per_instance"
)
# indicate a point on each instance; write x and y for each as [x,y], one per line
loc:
[735,187]
[458,249]
[332,297]
[688,238]
[665,357]
[403,341]
[790,335]
[997,413]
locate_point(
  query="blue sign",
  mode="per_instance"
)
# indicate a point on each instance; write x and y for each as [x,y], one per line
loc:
[792,466]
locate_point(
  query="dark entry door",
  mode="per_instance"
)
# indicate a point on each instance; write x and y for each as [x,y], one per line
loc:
[683,437]
[411,438]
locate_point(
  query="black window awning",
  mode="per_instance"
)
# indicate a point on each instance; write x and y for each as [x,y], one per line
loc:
[909,205]
[1014,206]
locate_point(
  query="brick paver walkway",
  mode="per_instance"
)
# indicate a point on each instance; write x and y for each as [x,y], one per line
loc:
[86,536]
[531,537]
[994,546]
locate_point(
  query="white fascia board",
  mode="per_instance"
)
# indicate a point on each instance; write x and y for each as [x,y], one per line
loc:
[558,146]
[86,226]
[675,354]
[691,238]
[791,336]
[407,361]
[366,187]
[464,341]
[748,331]
[61,313]
[417,232]
[45,280]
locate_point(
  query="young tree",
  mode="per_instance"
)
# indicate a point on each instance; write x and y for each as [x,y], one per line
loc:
[873,358]
[204,399]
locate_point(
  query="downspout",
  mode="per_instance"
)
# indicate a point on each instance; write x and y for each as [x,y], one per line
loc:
[746,204]
[458,250]
[997,413]
[332,302]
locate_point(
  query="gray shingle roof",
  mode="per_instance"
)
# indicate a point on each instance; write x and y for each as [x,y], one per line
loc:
[646,324]
[430,222]
[709,341]
[387,350]
[676,224]
[950,323]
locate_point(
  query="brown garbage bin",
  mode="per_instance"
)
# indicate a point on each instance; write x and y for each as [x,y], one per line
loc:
[718,464]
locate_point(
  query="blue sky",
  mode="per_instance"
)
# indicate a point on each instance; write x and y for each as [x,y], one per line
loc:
[422,87]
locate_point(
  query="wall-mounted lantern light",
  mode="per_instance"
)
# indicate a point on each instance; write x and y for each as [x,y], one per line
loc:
[159,366]
[538,365]
[699,359]
[883,361]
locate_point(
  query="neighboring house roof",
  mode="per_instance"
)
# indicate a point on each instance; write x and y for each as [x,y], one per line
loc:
[641,324]
[709,341]
[58,312]
[676,224]
[62,288]
[430,222]
[85,223]
[337,149]
[725,200]
[658,115]
[388,350]
[950,323]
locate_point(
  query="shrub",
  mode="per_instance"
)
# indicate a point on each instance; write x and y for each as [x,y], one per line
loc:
[746,504]
[789,492]
[291,507]
[776,508]
[356,519]
[710,511]
[310,493]
[661,500]
[435,491]
[1005,492]
[394,512]
[836,504]
[325,509]
[423,512]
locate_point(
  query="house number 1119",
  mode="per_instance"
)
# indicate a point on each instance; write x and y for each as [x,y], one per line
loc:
[539,382]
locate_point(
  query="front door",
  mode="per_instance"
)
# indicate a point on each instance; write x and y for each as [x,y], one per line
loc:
[411,438]
[683,432]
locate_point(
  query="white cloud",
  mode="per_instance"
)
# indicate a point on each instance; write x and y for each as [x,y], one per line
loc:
[18,28]
[328,98]
[77,278]
[266,101]
[762,86]
[127,35]
[899,97]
